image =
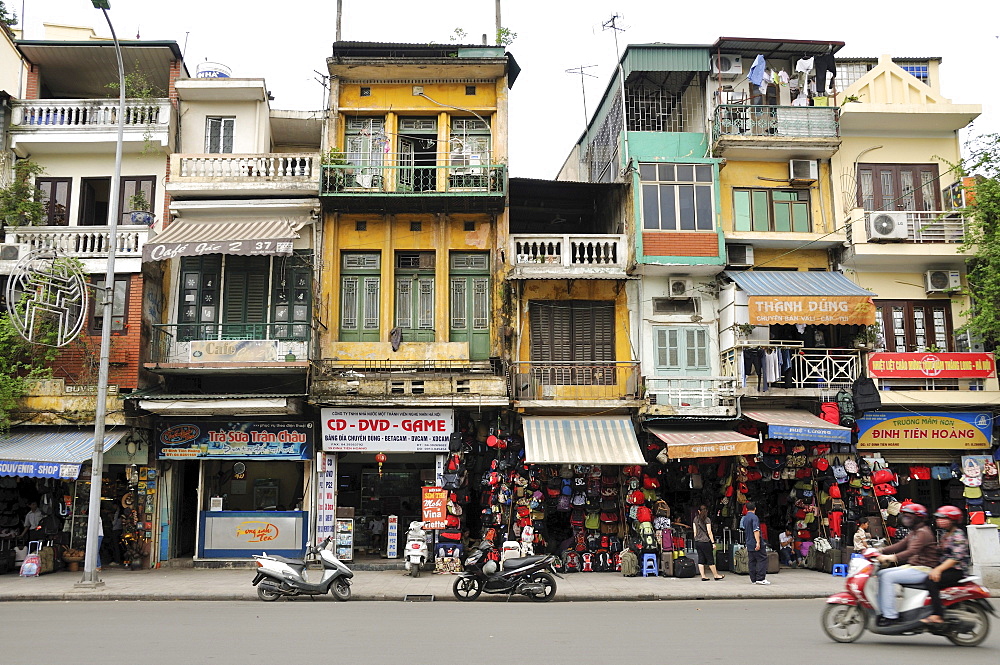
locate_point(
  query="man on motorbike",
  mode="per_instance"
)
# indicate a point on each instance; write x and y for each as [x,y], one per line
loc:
[918,550]
[955,561]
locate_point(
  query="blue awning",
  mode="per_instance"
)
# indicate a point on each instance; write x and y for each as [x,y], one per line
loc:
[796,283]
[45,452]
[800,426]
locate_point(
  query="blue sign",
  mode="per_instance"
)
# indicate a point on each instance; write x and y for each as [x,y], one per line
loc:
[799,433]
[221,439]
[39,469]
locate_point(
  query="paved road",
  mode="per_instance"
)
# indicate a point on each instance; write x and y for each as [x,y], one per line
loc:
[776,632]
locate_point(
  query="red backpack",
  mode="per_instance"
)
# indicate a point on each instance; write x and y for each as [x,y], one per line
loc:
[643,514]
[830,412]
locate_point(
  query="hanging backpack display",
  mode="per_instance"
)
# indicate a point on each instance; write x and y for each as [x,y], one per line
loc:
[845,403]
[866,395]
[830,412]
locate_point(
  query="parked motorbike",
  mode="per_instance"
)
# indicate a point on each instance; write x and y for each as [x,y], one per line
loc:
[278,576]
[849,613]
[531,576]
[416,548]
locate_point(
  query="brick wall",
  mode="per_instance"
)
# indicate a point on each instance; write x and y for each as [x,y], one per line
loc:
[680,244]
[33,89]
[78,362]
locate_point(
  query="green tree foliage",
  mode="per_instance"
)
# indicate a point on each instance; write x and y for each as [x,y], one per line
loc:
[8,19]
[19,360]
[982,239]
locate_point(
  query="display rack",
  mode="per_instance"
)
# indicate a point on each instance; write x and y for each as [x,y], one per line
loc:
[345,538]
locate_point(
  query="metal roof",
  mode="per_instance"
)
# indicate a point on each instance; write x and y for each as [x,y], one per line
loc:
[775,48]
[795,283]
[44,444]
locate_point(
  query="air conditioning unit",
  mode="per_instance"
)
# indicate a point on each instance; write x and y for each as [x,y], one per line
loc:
[887,226]
[942,281]
[739,255]
[727,66]
[680,288]
[12,251]
[803,169]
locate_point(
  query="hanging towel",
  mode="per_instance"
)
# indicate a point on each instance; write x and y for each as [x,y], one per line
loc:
[783,77]
[756,74]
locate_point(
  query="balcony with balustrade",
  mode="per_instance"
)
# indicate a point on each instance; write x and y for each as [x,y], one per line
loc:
[89,244]
[614,384]
[264,174]
[751,131]
[905,238]
[229,347]
[692,396]
[47,125]
[567,256]
[802,372]
[395,183]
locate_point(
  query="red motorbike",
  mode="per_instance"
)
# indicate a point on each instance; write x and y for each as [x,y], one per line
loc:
[849,613]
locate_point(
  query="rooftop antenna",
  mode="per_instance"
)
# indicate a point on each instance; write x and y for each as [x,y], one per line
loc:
[583,90]
[612,24]
[185,49]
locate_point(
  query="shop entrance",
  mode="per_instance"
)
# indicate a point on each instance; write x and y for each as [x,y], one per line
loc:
[184,508]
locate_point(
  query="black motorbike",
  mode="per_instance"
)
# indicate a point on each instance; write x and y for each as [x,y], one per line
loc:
[531,576]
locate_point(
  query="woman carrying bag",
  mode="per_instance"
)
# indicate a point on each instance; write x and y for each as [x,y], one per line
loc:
[704,542]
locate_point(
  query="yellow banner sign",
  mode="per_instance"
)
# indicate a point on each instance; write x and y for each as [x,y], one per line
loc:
[912,431]
[835,310]
[723,449]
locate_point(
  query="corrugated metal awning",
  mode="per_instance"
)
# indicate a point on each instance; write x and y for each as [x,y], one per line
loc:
[188,237]
[800,425]
[705,443]
[50,453]
[796,283]
[583,440]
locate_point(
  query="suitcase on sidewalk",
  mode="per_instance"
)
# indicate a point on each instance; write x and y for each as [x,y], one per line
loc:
[724,555]
[667,564]
[685,567]
[47,557]
[741,561]
[773,563]
[833,556]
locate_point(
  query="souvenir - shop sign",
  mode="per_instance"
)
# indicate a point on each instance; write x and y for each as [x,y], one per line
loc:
[39,469]
[931,365]
[434,507]
[815,310]
[903,430]
[222,439]
[380,430]
[230,350]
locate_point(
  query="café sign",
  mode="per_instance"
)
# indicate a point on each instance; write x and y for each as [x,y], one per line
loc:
[925,365]
[879,430]
[815,310]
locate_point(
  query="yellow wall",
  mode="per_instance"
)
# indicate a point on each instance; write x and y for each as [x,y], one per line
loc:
[908,286]
[388,234]
[749,174]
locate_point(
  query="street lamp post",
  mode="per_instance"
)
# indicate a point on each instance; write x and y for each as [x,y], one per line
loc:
[90,577]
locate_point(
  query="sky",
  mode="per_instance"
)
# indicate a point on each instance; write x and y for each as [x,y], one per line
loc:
[287,43]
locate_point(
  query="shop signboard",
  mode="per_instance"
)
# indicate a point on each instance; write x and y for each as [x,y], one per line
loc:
[225,439]
[931,365]
[717,449]
[931,430]
[39,469]
[434,502]
[387,430]
[234,350]
[240,533]
[814,310]
[392,537]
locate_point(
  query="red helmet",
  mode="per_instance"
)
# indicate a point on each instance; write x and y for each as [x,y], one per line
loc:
[950,512]
[914,509]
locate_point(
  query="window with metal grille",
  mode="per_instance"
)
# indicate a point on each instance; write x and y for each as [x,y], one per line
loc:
[677,197]
[415,295]
[365,142]
[779,210]
[360,291]
[915,326]
[572,341]
[219,134]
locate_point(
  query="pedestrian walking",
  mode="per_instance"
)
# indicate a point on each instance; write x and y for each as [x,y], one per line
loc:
[704,543]
[756,554]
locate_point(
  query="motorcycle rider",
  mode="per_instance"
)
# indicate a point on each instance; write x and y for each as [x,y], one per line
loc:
[955,559]
[919,551]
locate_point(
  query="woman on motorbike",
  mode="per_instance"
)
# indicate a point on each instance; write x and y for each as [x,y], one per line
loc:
[955,559]
[919,550]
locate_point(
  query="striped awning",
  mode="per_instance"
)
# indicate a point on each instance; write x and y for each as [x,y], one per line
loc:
[800,426]
[806,297]
[50,453]
[188,237]
[582,440]
[705,443]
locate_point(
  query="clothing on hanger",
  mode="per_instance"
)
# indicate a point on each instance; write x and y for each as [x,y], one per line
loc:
[824,63]
[756,74]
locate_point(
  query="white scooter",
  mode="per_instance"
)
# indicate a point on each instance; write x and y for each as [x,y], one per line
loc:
[279,576]
[416,548]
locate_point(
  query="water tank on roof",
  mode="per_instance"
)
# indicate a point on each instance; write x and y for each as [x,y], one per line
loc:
[213,70]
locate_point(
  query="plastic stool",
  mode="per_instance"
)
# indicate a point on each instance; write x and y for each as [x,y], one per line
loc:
[839,570]
[649,565]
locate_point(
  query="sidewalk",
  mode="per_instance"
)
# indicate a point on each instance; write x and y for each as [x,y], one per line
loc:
[228,584]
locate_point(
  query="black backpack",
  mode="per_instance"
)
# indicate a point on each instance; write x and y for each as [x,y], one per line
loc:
[866,397]
[845,402]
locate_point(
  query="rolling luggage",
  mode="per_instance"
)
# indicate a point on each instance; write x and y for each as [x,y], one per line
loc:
[685,567]
[666,564]
[741,561]
[724,554]
[833,556]
[773,563]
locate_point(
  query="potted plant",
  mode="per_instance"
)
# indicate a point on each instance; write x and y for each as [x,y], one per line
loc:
[868,337]
[21,202]
[138,206]
[745,329]
[336,177]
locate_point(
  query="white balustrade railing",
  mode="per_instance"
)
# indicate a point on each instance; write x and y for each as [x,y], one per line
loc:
[947,226]
[569,251]
[267,166]
[82,241]
[823,369]
[38,114]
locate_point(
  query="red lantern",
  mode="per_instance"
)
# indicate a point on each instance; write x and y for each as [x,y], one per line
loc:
[380,458]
